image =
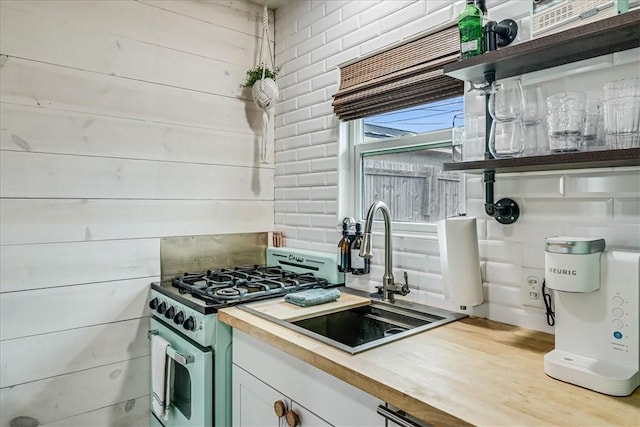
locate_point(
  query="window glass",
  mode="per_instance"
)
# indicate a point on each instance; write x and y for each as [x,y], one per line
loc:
[413,121]
[398,159]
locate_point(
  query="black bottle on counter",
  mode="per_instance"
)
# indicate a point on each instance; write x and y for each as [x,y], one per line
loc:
[344,258]
[359,265]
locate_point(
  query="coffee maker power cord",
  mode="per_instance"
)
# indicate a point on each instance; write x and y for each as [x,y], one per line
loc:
[551,315]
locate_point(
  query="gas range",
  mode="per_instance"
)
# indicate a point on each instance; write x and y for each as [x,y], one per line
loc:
[186,302]
[184,314]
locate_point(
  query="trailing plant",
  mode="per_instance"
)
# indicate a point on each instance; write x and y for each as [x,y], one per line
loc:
[255,74]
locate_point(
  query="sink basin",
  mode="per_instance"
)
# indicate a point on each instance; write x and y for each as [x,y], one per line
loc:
[361,328]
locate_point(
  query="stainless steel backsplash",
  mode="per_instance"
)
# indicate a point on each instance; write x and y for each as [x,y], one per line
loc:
[200,253]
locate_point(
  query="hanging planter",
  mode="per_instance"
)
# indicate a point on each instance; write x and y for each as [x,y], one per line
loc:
[255,74]
[264,89]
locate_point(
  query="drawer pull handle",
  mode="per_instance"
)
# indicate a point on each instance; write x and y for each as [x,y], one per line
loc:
[292,418]
[280,408]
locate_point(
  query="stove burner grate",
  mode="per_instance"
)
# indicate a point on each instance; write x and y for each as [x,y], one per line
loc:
[230,286]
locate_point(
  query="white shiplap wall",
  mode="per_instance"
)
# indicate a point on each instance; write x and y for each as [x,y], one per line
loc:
[314,37]
[122,122]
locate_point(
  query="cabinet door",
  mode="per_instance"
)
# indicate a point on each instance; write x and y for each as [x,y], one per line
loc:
[253,401]
[253,404]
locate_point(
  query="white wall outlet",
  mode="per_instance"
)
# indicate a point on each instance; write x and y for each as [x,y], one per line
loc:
[531,288]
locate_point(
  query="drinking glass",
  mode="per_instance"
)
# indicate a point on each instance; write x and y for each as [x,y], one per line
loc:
[622,122]
[565,120]
[591,129]
[622,113]
[535,106]
[506,101]
[457,137]
[474,137]
[506,139]
[506,105]
[535,110]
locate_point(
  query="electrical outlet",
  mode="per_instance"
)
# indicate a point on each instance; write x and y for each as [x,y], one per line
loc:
[531,288]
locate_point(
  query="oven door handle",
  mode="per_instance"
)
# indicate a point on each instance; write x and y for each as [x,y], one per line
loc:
[180,358]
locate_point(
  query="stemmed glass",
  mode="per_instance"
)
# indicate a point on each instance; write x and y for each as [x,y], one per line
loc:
[506,105]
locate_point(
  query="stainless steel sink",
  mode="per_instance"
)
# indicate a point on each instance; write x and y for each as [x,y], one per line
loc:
[361,328]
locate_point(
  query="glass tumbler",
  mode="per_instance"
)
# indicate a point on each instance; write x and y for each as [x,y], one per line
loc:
[622,122]
[474,137]
[506,105]
[591,130]
[535,111]
[506,139]
[565,120]
[457,137]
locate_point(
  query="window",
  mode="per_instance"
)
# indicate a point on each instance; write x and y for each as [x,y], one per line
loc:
[396,108]
[397,157]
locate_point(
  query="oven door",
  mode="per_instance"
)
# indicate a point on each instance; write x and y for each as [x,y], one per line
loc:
[191,381]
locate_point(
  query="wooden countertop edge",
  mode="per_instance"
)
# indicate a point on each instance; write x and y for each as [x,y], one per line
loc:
[249,324]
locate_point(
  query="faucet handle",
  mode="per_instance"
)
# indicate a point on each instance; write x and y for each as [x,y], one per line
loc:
[403,288]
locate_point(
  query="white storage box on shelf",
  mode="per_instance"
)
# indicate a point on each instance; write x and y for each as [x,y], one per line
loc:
[553,16]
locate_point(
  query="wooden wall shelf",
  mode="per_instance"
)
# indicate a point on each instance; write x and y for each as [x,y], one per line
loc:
[581,160]
[602,37]
[610,35]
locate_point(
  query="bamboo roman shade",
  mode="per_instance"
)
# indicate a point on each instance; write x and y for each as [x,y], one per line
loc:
[400,77]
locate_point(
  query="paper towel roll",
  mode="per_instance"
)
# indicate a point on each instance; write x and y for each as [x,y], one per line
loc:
[460,260]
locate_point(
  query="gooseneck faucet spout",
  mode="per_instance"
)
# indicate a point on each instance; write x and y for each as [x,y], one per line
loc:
[389,287]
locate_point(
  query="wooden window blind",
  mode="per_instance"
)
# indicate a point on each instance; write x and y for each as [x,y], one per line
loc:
[400,77]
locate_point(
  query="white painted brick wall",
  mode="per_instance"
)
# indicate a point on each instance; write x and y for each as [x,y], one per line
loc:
[314,37]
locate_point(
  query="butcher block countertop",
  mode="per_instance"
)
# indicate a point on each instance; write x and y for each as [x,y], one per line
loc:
[469,372]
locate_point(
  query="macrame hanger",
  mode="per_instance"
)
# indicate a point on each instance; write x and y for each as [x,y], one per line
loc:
[265,92]
[265,36]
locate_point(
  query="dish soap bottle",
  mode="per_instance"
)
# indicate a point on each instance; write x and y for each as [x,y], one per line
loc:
[359,265]
[470,27]
[344,262]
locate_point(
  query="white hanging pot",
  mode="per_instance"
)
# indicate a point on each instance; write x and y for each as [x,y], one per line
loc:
[265,93]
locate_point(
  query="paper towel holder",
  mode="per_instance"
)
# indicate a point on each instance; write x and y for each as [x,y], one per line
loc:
[505,211]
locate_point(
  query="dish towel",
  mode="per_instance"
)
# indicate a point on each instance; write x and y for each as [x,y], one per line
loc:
[160,377]
[312,297]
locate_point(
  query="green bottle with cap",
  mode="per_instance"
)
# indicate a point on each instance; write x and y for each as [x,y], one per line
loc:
[470,27]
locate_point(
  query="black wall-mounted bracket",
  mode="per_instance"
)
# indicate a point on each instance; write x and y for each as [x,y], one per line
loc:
[500,34]
[505,211]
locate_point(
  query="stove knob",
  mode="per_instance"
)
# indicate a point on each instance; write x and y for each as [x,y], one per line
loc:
[161,308]
[170,313]
[153,303]
[179,318]
[189,324]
